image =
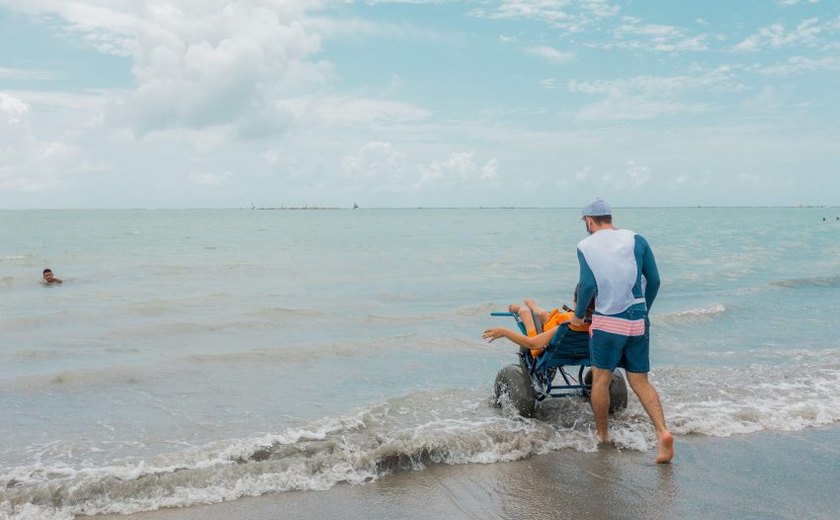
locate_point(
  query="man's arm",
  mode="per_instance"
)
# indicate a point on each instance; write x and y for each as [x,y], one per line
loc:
[650,272]
[586,289]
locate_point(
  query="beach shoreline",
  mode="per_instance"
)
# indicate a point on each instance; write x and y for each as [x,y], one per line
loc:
[761,475]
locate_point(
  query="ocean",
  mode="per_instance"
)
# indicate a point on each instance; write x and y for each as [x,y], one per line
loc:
[201,356]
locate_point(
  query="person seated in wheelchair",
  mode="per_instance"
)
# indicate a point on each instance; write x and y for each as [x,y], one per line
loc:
[550,320]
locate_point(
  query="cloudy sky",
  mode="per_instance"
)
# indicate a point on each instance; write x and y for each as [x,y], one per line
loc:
[229,103]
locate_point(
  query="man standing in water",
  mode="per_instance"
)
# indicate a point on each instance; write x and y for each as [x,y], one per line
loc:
[618,269]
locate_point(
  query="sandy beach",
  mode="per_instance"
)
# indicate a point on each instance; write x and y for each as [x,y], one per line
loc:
[764,475]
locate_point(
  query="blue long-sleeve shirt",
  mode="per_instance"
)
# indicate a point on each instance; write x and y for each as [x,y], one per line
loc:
[619,267]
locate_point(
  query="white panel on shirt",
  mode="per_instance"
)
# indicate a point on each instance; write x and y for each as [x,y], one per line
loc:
[610,254]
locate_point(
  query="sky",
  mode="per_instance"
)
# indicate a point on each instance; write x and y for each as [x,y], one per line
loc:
[413,103]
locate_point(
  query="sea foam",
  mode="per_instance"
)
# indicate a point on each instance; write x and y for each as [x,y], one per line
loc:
[421,428]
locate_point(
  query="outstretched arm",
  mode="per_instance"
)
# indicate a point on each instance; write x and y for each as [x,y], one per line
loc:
[537,342]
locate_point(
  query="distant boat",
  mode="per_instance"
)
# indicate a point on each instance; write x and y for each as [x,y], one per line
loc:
[355,206]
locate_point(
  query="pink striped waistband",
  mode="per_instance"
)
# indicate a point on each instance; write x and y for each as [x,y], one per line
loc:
[619,326]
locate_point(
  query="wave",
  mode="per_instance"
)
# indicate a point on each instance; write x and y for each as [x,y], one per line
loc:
[21,260]
[274,317]
[701,314]
[163,330]
[470,311]
[814,281]
[361,348]
[75,379]
[421,428]
[286,313]
[458,314]
[735,401]
[400,435]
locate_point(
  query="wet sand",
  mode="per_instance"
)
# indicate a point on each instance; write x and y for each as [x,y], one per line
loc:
[766,475]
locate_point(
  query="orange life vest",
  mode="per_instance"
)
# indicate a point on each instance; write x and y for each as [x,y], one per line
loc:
[555,318]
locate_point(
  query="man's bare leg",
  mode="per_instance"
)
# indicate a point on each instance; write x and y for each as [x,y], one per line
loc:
[650,401]
[600,400]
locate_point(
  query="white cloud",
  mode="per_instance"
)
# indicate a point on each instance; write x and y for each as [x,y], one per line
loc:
[460,168]
[381,166]
[551,54]
[634,177]
[777,36]
[561,14]
[197,64]
[359,29]
[375,162]
[637,174]
[633,34]
[209,178]
[768,99]
[26,74]
[345,110]
[721,78]
[787,3]
[583,175]
[91,102]
[26,162]
[802,64]
[600,8]
[14,111]
[636,108]
[648,97]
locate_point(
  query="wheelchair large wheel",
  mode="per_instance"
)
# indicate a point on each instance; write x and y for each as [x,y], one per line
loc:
[618,390]
[512,384]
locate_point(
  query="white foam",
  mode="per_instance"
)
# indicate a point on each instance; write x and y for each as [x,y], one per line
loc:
[33,512]
[355,449]
[812,281]
[690,316]
[731,401]
[407,433]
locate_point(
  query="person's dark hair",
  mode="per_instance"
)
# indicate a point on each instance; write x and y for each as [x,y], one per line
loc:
[602,219]
[47,270]
[589,309]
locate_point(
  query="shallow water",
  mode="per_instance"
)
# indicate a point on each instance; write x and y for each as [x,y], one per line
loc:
[198,356]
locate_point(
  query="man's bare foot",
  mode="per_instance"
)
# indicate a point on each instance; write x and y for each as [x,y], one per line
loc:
[530,303]
[514,308]
[666,448]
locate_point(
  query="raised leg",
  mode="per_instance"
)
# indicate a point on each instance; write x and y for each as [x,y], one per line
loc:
[537,310]
[526,317]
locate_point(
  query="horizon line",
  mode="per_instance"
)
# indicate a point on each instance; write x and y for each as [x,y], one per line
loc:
[350,208]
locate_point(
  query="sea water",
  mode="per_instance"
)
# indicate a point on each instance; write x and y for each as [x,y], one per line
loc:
[196,356]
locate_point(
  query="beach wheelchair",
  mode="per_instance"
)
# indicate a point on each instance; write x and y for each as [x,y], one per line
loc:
[533,379]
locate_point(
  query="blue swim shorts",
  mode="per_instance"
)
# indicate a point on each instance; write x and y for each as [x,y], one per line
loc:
[620,341]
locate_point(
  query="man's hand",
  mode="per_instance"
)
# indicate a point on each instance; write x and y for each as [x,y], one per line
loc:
[576,322]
